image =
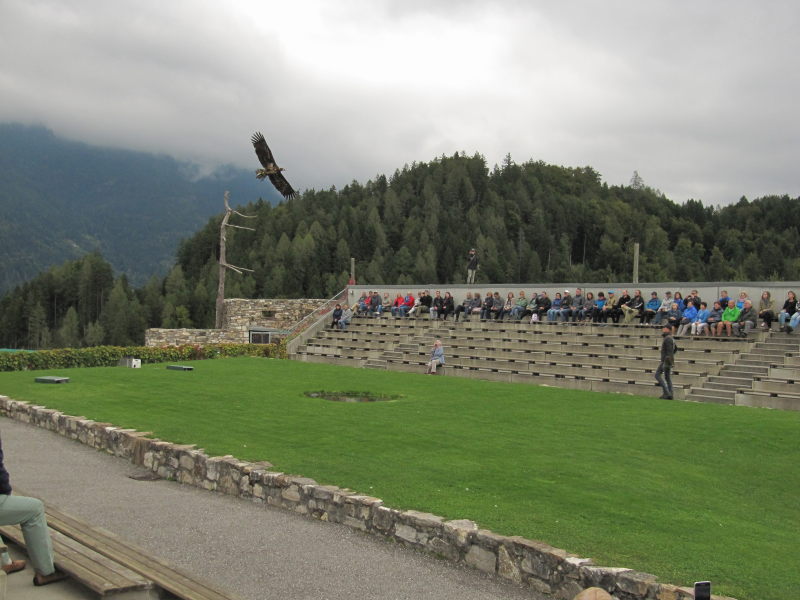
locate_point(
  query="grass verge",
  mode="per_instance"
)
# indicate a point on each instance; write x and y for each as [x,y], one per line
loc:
[685,491]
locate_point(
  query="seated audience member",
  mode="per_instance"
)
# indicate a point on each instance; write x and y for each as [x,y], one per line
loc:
[609,308]
[666,305]
[714,318]
[464,307]
[375,306]
[746,321]
[633,307]
[448,307]
[617,313]
[497,305]
[486,309]
[508,305]
[794,321]
[577,304]
[437,305]
[599,303]
[692,298]
[729,316]
[543,304]
[677,298]
[700,321]
[398,302]
[789,308]
[414,310]
[689,314]
[651,308]
[520,305]
[425,303]
[407,305]
[347,315]
[723,299]
[674,317]
[437,358]
[475,307]
[587,310]
[363,303]
[555,308]
[386,303]
[566,307]
[741,300]
[531,308]
[337,315]
[766,309]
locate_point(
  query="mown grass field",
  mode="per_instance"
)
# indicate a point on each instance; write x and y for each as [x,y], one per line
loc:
[685,491]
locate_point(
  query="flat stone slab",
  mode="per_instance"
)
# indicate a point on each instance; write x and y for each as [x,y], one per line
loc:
[179,368]
[52,379]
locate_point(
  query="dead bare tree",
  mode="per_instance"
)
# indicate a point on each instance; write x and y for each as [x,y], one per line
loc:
[223,264]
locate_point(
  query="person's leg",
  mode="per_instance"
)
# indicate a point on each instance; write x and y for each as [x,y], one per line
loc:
[660,379]
[668,380]
[29,514]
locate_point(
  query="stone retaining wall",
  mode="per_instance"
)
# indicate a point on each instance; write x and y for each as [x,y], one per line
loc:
[181,337]
[538,565]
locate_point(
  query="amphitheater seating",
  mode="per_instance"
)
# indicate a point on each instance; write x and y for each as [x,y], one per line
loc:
[619,358]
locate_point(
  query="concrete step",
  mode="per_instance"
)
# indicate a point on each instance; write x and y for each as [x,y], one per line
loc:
[739,381]
[710,392]
[749,361]
[391,354]
[743,370]
[375,363]
[699,395]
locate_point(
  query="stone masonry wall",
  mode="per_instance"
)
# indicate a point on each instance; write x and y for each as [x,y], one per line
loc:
[535,564]
[240,315]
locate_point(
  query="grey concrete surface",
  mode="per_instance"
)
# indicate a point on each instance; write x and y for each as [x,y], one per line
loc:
[255,551]
[20,585]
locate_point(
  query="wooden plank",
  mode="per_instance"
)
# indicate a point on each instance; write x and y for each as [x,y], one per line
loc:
[136,559]
[91,569]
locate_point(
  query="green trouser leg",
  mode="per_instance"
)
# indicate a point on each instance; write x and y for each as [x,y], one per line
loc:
[29,514]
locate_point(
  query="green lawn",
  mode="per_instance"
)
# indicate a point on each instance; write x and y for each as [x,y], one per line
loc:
[685,491]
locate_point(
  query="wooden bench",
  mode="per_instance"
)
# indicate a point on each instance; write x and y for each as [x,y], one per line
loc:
[107,565]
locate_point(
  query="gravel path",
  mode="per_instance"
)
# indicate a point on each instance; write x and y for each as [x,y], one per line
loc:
[255,551]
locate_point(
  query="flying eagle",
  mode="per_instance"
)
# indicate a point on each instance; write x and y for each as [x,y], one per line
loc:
[270,169]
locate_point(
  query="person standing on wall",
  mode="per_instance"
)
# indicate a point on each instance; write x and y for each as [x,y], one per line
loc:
[664,370]
[472,265]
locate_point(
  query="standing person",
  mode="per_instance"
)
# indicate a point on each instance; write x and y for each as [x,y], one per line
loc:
[437,358]
[28,513]
[664,370]
[472,265]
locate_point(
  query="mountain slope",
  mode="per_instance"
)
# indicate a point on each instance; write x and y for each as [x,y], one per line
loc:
[60,199]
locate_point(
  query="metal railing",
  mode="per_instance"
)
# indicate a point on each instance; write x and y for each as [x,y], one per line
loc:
[309,325]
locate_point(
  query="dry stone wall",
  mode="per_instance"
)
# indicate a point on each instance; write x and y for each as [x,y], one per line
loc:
[240,316]
[529,562]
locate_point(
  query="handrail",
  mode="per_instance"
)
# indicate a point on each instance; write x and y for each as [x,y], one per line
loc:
[308,325]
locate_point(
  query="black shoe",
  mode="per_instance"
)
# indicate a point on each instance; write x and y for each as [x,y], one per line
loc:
[789,329]
[664,397]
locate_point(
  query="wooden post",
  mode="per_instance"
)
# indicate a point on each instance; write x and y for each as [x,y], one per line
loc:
[636,262]
[223,263]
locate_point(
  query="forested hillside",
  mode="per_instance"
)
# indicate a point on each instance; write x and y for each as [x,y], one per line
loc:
[530,222]
[60,199]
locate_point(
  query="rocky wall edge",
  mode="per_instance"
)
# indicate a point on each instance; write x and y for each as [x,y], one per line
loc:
[528,562]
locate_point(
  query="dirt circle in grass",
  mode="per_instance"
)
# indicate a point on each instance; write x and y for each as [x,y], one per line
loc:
[351,396]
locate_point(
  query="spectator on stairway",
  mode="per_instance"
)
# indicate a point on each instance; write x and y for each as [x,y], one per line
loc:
[610,308]
[375,306]
[651,308]
[766,310]
[555,308]
[425,303]
[693,298]
[29,514]
[789,308]
[666,305]
[344,320]
[437,358]
[386,303]
[747,319]
[531,308]
[794,320]
[677,298]
[407,305]
[724,298]
[414,310]
[633,308]
[337,315]
[566,306]
[398,302]
[475,306]
[714,318]
[616,313]
[729,316]
[497,306]
[577,305]
[700,322]
[437,305]
[689,315]
[363,303]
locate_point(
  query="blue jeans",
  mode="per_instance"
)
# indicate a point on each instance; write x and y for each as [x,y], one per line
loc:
[666,381]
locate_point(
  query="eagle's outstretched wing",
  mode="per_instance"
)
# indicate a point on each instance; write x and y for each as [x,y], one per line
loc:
[280,183]
[263,152]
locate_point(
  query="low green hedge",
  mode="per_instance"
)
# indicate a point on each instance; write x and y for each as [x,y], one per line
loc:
[108,356]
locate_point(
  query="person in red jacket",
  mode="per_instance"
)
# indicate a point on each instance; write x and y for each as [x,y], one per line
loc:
[28,513]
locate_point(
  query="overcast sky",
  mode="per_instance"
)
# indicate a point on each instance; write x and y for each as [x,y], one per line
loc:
[699,97]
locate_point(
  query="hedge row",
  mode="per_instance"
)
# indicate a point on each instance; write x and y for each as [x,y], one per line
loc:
[108,356]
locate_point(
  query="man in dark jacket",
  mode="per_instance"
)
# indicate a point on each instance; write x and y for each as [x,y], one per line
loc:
[472,265]
[666,364]
[29,514]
